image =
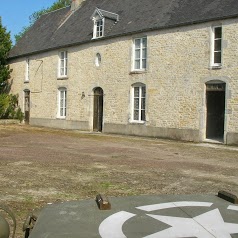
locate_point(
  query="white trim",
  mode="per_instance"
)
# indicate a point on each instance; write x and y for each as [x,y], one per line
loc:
[62,106]
[95,13]
[63,60]
[95,27]
[212,49]
[103,13]
[141,58]
[27,74]
[140,109]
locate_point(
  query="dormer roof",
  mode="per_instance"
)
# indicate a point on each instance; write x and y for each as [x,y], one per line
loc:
[105,14]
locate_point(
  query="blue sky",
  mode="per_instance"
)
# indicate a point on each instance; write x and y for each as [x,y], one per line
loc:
[15,13]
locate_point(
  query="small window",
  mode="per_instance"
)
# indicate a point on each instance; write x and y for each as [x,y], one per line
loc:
[216,51]
[98,30]
[63,64]
[27,78]
[62,102]
[98,60]
[138,102]
[140,54]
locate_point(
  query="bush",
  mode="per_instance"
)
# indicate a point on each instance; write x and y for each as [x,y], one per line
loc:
[9,108]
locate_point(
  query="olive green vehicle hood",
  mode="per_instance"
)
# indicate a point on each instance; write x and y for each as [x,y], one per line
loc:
[167,216]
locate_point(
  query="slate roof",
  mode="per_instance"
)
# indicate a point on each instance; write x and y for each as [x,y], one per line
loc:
[51,31]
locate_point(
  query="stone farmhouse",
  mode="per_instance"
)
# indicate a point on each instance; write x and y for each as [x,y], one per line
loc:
[154,68]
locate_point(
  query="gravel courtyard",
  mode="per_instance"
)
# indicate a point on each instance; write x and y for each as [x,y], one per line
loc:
[41,165]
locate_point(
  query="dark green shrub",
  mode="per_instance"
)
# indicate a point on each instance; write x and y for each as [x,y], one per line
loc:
[9,108]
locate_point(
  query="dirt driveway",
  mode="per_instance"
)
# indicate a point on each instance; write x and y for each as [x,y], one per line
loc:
[39,166]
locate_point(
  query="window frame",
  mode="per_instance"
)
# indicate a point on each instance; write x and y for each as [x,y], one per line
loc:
[141,58]
[63,64]
[62,113]
[140,119]
[98,60]
[96,20]
[213,46]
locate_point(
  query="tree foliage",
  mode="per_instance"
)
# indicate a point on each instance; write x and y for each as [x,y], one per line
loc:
[8,103]
[9,108]
[5,46]
[21,33]
[36,15]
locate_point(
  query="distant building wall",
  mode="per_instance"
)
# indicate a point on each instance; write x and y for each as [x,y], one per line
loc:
[176,76]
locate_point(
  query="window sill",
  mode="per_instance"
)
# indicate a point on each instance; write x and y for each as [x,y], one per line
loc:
[62,77]
[137,72]
[138,122]
[215,67]
[26,81]
[61,118]
[99,37]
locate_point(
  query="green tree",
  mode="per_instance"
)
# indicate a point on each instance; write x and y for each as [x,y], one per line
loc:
[36,15]
[8,103]
[21,33]
[5,46]
[9,108]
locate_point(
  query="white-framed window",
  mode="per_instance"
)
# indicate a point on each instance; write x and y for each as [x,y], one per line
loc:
[63,64]
[98,29]
[27,74]
[140,53]
[62,102]
[138,100]
[216,46]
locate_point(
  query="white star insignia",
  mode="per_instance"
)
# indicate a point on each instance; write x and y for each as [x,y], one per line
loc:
[207,225]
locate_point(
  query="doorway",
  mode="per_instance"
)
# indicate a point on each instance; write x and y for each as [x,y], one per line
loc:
[215,102]
[98,109]
[27,106]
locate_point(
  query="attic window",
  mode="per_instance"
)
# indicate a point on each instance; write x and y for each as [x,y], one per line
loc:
[99,17]
[98,30]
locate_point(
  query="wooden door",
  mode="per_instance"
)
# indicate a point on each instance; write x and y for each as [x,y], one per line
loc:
[215,111]
[27,107]
[98,109]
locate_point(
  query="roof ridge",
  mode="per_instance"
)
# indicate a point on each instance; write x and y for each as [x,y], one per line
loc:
[55,10]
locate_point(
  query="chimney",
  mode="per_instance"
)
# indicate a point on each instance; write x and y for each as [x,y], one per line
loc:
[75,4]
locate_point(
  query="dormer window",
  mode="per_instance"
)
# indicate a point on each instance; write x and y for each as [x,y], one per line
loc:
[99,18]
[98,30]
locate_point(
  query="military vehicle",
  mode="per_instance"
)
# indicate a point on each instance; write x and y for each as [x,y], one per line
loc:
[4,224]
[162,216]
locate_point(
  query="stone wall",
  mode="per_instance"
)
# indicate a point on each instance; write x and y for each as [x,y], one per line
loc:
[9,121]
[178,68]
